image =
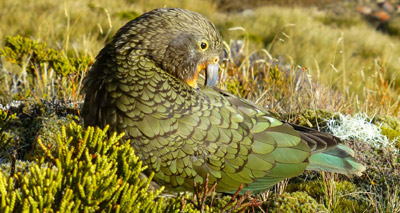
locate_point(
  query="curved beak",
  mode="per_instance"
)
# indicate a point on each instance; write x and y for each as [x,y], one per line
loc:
[212,75]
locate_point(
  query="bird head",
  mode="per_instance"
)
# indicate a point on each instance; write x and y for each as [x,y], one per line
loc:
[179,41]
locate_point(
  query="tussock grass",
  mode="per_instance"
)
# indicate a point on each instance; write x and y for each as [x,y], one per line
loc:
[79,25]
[346,58]
[340,52]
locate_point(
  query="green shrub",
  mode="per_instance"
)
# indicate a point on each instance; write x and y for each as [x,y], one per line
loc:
[43,73]
[24,51]
[89,172]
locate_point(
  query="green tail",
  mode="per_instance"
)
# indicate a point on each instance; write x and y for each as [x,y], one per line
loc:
[339,159]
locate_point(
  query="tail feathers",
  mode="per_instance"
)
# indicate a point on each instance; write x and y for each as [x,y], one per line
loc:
[339,159]
[317,141]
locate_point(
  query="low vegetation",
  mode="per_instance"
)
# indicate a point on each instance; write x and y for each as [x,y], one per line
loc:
[321,67]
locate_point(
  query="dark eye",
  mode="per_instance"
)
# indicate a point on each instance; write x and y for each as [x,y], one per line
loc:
[203,45]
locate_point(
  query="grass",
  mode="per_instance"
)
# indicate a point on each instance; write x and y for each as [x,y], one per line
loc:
[352,59]
[289,59]
[339,51]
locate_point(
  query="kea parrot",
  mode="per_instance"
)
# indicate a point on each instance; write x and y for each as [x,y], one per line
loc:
[145,83]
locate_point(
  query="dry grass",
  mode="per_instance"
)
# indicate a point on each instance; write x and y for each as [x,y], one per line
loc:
[342,53]
[355,60]
[78,25]
[72,27]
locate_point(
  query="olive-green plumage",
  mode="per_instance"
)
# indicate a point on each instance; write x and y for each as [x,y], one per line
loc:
[137,85]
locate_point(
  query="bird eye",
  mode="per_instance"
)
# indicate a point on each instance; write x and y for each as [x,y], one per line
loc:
[203,45]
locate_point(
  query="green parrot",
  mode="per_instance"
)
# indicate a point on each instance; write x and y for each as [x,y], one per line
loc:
[144,83]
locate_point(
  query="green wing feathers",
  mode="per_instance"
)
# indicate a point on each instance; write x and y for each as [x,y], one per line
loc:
[339,159]
[327,154]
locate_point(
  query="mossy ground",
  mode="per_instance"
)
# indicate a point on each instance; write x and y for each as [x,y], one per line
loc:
[307,64]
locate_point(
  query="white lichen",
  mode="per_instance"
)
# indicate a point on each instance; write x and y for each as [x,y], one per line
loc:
[359,127]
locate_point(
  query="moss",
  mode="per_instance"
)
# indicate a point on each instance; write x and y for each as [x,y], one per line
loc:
[312,118]
[345,198]
[345,187]
[313,188]
[390,127]
[297,202]
[30,122]
[6,141]
[350,205]
[50,128]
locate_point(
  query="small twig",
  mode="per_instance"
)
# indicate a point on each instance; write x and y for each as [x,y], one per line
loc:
[201,194]
[183,203]
[233,199]
[242,198]
[212,189]
[255,203]
[14,162]
[203,198]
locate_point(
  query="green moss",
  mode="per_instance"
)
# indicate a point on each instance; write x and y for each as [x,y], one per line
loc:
[50,128]
[313,188]
[213,202]
[345,187]
[350,205]
[390,127]
[344,198]
[30,122]
[312,118]
[297,202]
[6,141]
[347,199]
